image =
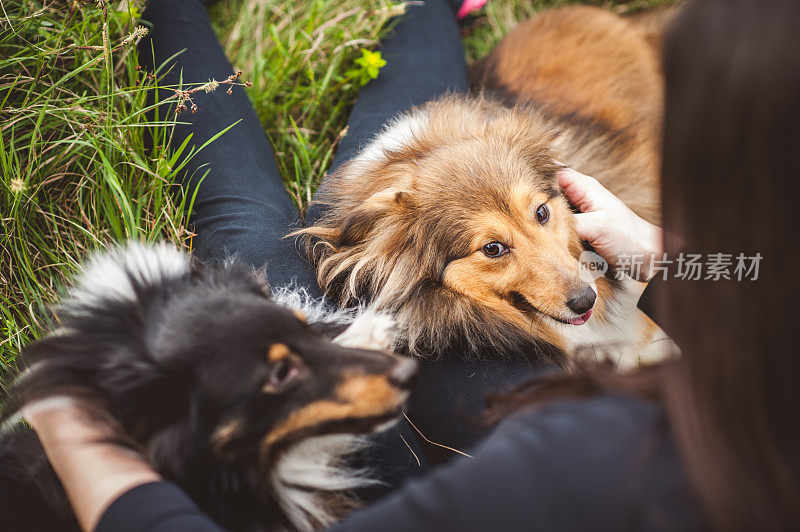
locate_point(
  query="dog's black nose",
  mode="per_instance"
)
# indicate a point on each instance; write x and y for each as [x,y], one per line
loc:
[403,372]
[582,302]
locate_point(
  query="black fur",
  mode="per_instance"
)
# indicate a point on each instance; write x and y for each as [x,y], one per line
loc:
[182,357]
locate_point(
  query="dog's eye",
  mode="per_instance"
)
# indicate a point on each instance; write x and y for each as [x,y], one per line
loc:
[495,249]
[542,214]
[281,374]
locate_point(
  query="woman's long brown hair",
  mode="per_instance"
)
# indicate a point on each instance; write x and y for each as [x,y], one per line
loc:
[731,184]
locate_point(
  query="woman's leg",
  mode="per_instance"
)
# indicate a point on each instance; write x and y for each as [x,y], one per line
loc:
[241,206]
[424,59]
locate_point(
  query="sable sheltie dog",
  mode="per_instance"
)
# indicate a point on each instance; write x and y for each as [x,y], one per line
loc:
[452,218]
[235,398]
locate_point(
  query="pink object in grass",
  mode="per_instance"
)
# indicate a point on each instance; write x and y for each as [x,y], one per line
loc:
[469,6]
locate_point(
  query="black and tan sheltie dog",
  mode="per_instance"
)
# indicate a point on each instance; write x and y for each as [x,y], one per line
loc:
[452,218]
[237,399]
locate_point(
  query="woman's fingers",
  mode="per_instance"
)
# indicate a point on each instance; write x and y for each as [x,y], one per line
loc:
[591,226]
[608,224]
[585,192]
[574,193]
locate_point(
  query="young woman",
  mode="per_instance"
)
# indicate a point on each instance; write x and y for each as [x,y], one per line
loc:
[710,440]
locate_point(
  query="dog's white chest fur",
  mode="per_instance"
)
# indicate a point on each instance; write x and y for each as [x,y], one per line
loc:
[309,469]
[622,337]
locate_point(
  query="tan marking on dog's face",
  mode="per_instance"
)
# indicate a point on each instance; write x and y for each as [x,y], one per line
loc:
[278,352]
[371,392]
[358,396]
[300,316]
[540,265]
[224,434]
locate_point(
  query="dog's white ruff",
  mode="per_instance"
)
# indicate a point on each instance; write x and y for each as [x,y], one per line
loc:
[310,468]
[314,309]
[112,273]
[394,136]
[370,330]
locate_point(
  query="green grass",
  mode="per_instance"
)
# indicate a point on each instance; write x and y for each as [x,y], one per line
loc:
[76,172]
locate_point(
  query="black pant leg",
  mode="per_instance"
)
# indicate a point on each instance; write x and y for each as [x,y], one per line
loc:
[241,207]
[424,59]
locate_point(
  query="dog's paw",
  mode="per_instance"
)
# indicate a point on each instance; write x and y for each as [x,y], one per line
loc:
[370,330]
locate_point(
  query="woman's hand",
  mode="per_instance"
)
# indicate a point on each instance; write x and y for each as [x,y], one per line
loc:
[94,472]
[613,229]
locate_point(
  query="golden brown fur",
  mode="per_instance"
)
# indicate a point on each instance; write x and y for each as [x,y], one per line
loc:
[597,74]
[408,217]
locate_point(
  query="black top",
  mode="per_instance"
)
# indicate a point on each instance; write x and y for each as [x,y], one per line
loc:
[600,464]
[606,463]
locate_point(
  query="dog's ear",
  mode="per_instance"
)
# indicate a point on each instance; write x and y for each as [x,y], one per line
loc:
[116,375]
[361,220]
[528,132]
[155,400]
[540,155]
[545,167]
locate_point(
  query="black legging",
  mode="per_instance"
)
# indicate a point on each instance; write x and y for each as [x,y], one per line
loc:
[242,208]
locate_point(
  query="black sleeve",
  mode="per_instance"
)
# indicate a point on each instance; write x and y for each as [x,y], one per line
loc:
[585,466]
[155,507]
[648,302]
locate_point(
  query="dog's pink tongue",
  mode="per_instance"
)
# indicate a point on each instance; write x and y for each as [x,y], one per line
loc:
[583,319]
